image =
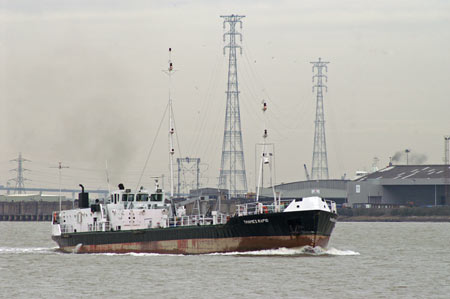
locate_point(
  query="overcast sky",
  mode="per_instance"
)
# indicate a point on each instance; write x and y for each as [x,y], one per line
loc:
[81,83]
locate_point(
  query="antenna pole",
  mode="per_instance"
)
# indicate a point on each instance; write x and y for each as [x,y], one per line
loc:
[447,168]
[263,154]
[446,150]
[169,73]
[266,158]
[107,176]
[60,167]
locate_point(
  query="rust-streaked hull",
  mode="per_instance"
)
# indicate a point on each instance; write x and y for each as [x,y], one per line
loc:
[245,233]
[202,246]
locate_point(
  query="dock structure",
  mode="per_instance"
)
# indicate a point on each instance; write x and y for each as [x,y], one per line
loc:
[30,210]
[33,207]
[10,190]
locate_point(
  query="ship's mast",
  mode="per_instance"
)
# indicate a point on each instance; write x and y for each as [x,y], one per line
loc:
[171,125]
[60,167]
[266,158]
[169,71]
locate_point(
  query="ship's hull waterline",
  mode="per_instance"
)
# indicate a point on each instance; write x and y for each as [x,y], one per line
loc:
[245,233]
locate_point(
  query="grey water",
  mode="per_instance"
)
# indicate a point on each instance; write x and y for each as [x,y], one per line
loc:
[363,260]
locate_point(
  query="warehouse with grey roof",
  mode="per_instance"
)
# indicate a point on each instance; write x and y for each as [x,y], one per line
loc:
[397,185]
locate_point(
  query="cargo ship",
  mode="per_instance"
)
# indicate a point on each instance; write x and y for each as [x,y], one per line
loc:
[147,222]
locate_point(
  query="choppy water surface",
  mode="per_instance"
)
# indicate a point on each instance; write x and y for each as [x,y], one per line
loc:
[364,260]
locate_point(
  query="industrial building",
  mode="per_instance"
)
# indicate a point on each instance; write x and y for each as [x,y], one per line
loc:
[393,186]
[402,185]
[208,193]
[205,200]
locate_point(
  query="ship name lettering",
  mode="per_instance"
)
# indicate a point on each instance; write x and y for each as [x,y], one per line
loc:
[255,221]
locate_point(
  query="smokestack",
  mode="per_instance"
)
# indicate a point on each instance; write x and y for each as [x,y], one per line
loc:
[83,198]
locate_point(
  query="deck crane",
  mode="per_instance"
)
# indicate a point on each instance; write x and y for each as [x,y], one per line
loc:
[306,172]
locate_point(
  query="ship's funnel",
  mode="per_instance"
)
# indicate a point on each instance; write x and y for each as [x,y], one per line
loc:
[83,198]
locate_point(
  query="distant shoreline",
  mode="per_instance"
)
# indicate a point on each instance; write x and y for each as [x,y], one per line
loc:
[393,219]
[403,214]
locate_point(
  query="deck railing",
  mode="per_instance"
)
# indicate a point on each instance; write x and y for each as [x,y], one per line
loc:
[260,208]
[66,228]
[99,227]
[190,220]
[216,217]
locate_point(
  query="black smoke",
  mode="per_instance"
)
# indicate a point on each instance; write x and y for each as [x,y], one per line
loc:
[413,158]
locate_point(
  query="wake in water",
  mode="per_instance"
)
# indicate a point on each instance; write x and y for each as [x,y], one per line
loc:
[302,251]
[25,250]
[138,254]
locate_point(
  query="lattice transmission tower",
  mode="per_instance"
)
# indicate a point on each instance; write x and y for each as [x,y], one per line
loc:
[20,186]
[232,169]
[319,169]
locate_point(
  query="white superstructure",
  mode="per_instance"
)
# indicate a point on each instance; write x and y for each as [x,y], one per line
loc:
[124,210]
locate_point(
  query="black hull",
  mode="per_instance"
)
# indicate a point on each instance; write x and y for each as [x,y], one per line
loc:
[251,232]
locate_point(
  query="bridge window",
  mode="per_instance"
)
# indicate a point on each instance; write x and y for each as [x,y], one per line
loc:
[157,197]
[142,197]
[127,197]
